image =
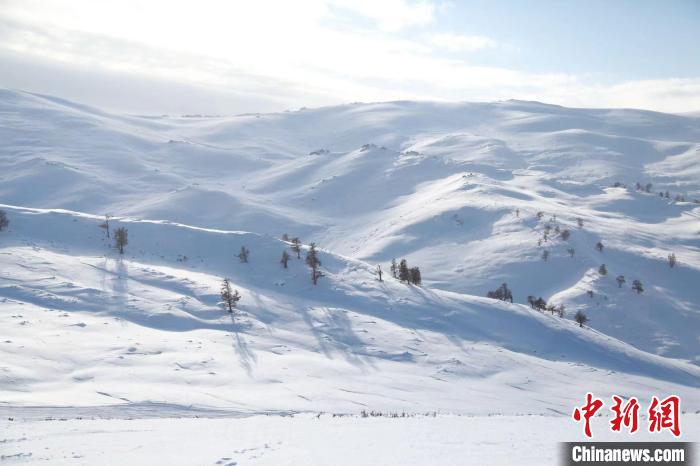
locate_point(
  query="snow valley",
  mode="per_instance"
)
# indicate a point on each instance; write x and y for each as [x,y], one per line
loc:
[590,217]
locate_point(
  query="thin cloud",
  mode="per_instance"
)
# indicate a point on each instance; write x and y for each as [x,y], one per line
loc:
[460,43]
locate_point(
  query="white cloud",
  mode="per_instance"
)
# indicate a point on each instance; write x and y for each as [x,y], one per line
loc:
[460,43]
[298,53]
[391,15]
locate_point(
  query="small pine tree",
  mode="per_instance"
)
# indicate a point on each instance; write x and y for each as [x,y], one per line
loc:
[284,259]
[404,274]
[504,294]
[565,234]
[603,270]
[314,262]
[571,251]
[394,269]
[531,301]
[620,280]
[121,238]
[414,276]
[540,304]
[599,246]
[243,255]
[229,297]
[4,222]
[296,247]
[580,318]
[672,260]
[637,286]
[545,255]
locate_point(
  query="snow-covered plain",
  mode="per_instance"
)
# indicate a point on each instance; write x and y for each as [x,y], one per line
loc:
[454,188]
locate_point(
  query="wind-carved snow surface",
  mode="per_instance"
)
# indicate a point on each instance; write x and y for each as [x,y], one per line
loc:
[454,188]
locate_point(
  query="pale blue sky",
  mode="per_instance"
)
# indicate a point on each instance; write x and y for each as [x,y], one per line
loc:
[218,56]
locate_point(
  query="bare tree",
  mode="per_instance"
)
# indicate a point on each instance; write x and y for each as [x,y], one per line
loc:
[285,259]
[580,318]
[121,238]
[229,297]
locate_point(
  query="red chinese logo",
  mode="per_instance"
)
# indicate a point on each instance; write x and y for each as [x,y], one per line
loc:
[587,412]
[627,415]
[663,414]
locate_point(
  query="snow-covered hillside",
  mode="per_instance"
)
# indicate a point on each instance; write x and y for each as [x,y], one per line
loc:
[454,188]
[86,326]
[439,184]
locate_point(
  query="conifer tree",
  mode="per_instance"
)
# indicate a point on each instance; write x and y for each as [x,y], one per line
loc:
[404,274]
[314,262]
[243,255]
[121,238]
[285,259]
[296,247]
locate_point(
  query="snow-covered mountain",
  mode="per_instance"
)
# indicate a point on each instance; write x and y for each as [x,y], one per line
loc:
[456,189]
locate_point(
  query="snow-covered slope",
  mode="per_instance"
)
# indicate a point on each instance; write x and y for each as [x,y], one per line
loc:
[454,188]
[85,326]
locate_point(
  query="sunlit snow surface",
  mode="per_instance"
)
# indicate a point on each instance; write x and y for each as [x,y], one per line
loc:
[86,329]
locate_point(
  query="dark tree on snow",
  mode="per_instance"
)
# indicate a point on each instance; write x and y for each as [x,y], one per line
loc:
[296,247]
[637,286]
[4,222]
[603,270]
[379,272]
[229,297]
[545,255]
[580,318]
[121,238]
[285,259]
[504,294]
[571,251]
[105,225]
[540,304]
[394,269]
[314,262]
[620,280]
[540,214]
[414,276]
[404,274]
[672,260]
[599,246]
[285,237]
[243,255]
[564,234]
[531,301]
[561,310]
